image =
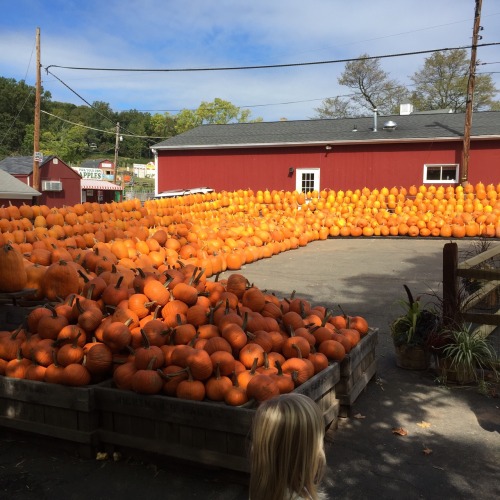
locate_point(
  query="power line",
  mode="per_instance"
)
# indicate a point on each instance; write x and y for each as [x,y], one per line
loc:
[112,132]
[86,102]
[267,66]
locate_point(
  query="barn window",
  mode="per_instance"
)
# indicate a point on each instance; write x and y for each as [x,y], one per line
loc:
[441,173]
[307,179]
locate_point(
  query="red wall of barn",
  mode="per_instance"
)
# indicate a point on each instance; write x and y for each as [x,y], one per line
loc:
[71,192]
[343,167]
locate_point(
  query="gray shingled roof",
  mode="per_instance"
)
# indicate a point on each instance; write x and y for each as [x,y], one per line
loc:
[92,163]
[12,188]
[22,165]
[414,127]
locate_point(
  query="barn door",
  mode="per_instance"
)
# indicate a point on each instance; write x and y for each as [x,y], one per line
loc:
[307,179]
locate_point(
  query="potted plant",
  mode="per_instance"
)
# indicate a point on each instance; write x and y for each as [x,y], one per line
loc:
[413,332]
[465,355]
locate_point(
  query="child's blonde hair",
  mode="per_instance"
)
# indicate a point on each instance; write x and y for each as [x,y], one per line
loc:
[287,456]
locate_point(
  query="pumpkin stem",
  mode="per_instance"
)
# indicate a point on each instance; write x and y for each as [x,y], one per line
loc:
[302,310]
[327,317]
[342,311]
[83,275]
[210,315]
[145,339]
[253,368]
[52,310]
[299,352]
[168,376]
[234,379]
[90,291]
[119,282]
[78,304]
[151,363]
[157,312]
[245,321]
[199,275]
[266,360]
[277,364]
[192,342]
[54,358]
[74,344]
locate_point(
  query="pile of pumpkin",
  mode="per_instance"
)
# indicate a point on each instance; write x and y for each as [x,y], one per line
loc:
[173,333]
[226,230]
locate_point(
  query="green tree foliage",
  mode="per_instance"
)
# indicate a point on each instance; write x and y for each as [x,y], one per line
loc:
[17,111]
[77,132]
[216,112]
[69,144]
[442,84]
[162,126]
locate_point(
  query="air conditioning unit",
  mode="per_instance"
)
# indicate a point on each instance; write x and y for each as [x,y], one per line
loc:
[51,186]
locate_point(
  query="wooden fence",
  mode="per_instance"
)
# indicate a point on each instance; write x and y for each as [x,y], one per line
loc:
[462,305]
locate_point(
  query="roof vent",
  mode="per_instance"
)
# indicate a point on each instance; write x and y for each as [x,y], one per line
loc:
[390,125]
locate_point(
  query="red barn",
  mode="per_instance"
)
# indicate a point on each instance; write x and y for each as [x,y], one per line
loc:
[59,183]
[350,153]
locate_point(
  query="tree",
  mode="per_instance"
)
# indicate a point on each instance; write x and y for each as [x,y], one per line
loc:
[216,112]
[373,89]
[17,109]
[69,144]
[442,84]
[335,107]
[162,126]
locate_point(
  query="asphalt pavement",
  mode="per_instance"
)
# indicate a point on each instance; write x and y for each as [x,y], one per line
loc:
[407,435]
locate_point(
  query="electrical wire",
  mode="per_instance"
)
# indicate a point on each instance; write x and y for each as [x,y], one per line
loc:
[112,132]
[268,66]
[90,105]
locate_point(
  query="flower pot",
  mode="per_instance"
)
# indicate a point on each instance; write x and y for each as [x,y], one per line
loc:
[456,375]
[412,357]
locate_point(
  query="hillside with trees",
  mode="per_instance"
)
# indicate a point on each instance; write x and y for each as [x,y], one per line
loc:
[76,132]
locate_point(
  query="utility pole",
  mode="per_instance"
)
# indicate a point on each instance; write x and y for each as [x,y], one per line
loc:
[117,145]
[464,178]
[36,137]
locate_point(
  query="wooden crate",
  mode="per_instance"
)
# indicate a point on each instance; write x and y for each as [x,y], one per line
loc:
[356,370]
[207,433]
[11,316]
[66,413]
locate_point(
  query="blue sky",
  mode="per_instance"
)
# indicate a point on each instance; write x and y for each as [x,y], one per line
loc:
[155,34]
